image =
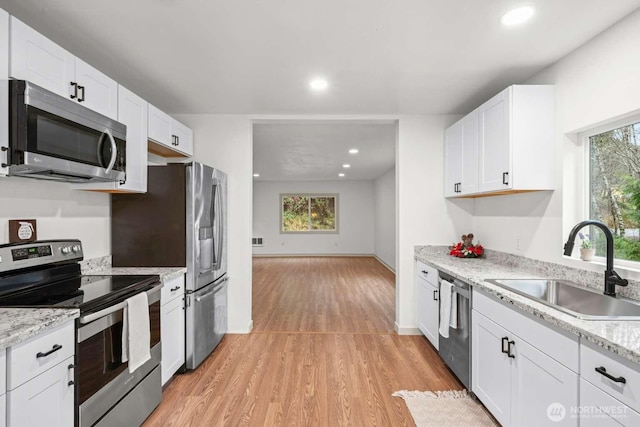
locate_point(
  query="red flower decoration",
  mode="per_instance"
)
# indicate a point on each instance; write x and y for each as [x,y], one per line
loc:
[458,250]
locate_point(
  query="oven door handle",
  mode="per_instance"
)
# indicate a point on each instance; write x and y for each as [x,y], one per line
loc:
[93,316]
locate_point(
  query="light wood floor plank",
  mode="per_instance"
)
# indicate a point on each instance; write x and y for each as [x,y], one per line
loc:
[322,353]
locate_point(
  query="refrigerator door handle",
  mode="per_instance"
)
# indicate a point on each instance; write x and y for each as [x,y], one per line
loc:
[217,256]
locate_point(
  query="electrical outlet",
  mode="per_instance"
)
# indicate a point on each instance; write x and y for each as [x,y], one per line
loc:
[518,248]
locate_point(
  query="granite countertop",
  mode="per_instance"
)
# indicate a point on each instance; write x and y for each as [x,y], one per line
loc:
[165,273]
[619,337]
[20,324]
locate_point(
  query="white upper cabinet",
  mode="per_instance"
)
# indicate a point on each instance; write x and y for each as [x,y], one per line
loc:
[461,156]
[167,136]
[513,147]
[133,113]
[35,58]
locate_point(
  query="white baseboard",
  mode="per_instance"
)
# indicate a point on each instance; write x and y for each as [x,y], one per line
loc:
[391,269]
[406,331]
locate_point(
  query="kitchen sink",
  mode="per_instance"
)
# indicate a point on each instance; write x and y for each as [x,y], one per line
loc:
[571,298]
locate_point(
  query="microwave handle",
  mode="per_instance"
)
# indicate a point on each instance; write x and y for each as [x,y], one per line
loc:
[114,151]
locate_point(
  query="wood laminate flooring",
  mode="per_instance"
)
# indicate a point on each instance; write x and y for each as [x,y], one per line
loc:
[322,353]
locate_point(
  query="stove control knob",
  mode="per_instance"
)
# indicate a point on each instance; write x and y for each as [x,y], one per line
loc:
[75,249]
[65,250]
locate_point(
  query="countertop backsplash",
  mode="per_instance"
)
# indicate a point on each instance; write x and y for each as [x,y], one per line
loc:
[89,266]
[587,278]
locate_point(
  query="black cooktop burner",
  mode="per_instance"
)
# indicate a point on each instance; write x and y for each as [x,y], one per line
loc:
[65,287]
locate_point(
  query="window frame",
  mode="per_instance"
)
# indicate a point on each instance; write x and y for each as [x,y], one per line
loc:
[310,196]
[584,138]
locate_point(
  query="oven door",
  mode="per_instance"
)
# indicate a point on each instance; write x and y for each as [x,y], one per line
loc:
[54,138]
[102,378]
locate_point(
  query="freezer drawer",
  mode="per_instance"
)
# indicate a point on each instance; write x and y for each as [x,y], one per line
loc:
[206,321]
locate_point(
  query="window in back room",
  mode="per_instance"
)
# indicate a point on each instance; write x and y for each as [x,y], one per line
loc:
[308,213]
[614,189]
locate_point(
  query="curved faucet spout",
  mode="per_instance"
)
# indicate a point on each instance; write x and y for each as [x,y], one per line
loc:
[611,278]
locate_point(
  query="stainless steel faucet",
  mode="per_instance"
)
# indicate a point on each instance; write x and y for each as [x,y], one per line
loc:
[611,278]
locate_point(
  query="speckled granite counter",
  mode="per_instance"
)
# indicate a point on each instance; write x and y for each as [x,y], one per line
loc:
[622,338]
[165,273]
[20,324]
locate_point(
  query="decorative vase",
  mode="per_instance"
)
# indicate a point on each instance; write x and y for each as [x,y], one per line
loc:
[586,254]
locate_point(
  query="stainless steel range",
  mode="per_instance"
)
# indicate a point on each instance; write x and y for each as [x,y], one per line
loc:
[47,274]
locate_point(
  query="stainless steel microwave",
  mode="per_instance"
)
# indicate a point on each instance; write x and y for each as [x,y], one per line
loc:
[54,138]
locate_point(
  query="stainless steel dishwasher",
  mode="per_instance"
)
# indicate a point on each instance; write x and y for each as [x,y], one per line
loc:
[456,349]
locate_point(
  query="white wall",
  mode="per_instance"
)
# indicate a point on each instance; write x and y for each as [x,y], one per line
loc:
[355,218]
[423,217]
[385,218]
[224,142]
[61,213]
[596,83]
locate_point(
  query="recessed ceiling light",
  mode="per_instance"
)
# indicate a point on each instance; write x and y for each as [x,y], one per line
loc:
[341,175]
[346,165]
[256,175]
[517,16]
[318,84]
[353,151]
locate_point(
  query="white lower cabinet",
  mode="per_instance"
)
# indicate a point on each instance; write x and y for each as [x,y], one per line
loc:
[40,380]
[172,327]
[428,302]
[598,409]
[518,383]
[46,400]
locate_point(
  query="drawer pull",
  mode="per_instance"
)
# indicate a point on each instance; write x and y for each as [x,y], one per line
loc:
[70,383]
[602,371]
[509,344]
[55,348]
[505,341]
[174,289]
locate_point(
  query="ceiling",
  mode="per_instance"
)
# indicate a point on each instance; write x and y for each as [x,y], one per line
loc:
[257,57]
[317,151]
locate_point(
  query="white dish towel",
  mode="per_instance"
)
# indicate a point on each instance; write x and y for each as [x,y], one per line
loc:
[453,322]
[136,337]
[446,289]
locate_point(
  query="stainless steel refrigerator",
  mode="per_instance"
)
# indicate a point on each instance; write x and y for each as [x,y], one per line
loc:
[180,221]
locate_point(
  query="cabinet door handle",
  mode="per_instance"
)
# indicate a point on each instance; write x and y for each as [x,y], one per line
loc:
[505,340]
[174,289]
[425,272]
[177,140]
[55,348]
[75,90]
[505,178]
[81,97]
[602,371]
[509,344]
[435,295]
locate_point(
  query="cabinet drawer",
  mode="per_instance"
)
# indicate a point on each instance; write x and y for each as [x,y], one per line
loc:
[555,343]
[592,357]
[23,362]
[601,410]
[427,272]
[172,289]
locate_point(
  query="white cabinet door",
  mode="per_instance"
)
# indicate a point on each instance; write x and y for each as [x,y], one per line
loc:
[96,90]
[133,113]
[452,159]
[46,400]
[183,137]
[494,145]
[428,310]
[160,126]
[491,367]
[39,60]
[172,327]
[544,391]
[461,156]
[4,99]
